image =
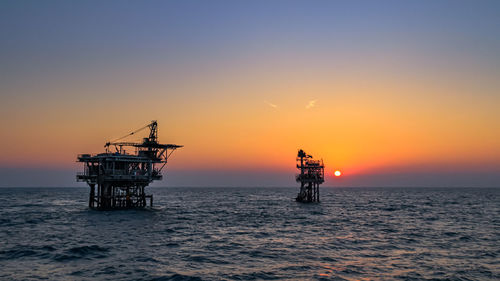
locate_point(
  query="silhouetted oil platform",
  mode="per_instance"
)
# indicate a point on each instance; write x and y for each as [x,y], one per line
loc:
[121,177]
[311,176]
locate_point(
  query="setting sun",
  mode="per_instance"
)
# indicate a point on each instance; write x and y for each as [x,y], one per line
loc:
[337,173]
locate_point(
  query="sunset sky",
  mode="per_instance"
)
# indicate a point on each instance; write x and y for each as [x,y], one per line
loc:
[391,93]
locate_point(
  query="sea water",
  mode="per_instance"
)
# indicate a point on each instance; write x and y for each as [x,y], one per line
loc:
[253,234]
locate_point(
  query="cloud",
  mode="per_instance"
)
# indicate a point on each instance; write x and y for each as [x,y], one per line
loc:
[271,104]
[311,104]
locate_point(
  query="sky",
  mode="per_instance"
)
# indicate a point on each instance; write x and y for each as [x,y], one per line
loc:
[391,93]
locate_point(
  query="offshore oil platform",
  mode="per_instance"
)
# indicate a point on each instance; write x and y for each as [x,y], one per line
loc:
[121,177]
[312,174]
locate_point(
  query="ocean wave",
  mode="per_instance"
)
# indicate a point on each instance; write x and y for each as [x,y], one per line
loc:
[82,252]
[24,251]
[177,277]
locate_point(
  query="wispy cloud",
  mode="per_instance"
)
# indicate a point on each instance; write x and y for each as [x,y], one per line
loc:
[311,104]
[271,104]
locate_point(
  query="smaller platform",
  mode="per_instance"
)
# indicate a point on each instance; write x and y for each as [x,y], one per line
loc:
[312,174]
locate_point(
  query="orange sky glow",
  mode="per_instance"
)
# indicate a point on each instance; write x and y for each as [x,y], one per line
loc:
[367,96]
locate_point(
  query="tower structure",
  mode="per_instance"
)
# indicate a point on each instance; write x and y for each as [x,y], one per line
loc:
[117,179]
[310,177]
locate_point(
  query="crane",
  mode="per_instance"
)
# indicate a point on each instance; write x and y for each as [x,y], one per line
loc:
[148,147]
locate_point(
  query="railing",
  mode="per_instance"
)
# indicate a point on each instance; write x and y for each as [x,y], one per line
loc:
[307,177]
[314,163]
[86,155]
[118,172]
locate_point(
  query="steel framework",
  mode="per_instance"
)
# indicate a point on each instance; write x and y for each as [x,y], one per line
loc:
[311,175]
[117,179]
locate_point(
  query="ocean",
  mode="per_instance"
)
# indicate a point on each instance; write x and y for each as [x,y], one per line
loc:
[253,234]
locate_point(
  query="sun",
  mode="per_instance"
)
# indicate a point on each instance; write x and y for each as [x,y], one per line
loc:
[337,173]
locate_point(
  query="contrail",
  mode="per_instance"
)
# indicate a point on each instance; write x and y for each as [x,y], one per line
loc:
[311,104]
[271,104]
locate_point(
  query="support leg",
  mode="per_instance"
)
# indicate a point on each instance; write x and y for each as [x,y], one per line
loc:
[92,195]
